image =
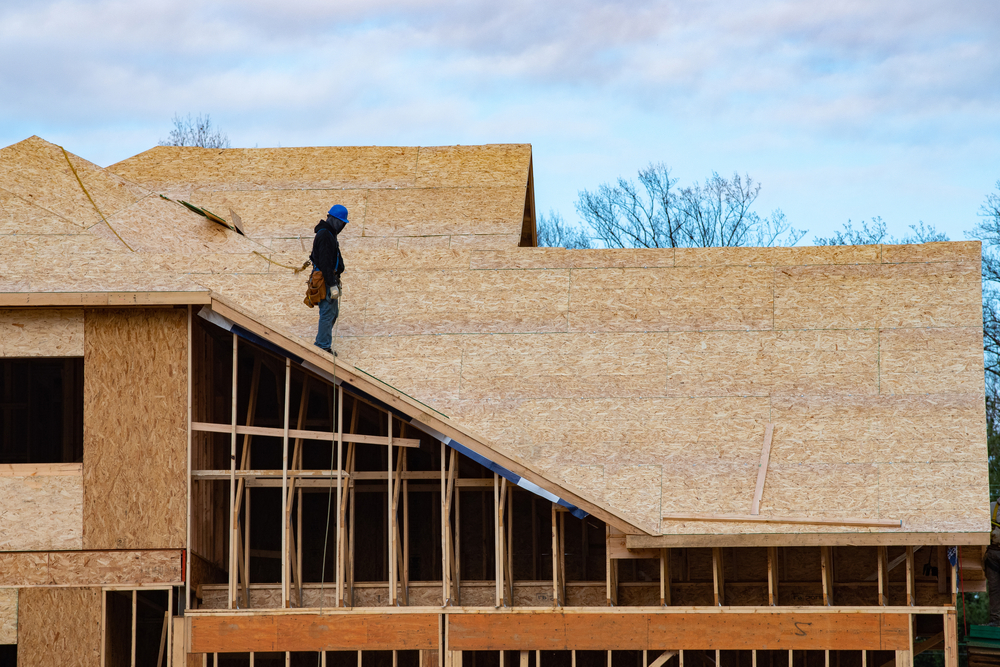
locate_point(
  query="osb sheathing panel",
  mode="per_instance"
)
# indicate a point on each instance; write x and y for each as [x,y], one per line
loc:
[8,615]
[41,333]
[286,213]
[37,171]
[581,371]
[490,165]
[135,449]
[18,216]
[155,224]
[172,168]
[90,568]
[444,211]
[627,364]
[41,513]
[59,626]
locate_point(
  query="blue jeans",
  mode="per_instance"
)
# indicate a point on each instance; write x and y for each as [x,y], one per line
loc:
[328,311]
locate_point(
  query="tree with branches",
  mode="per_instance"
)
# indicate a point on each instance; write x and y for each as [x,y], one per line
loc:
[652,212]
[876,232]
[988,231]
[196,131]
[554,232]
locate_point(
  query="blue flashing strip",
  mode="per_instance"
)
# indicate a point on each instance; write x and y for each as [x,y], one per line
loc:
[517,480]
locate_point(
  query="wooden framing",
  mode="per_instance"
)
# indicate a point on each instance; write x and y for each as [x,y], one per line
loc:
[765,456]
[826,567]
[796,628]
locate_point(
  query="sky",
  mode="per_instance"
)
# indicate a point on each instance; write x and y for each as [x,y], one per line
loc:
[842,110]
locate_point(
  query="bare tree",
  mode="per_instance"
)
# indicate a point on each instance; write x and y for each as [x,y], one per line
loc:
[197,131]
[878,233]
[554,232]
[988,231]
[653,213]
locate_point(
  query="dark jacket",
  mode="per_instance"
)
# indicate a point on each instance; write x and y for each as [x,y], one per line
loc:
[325,254]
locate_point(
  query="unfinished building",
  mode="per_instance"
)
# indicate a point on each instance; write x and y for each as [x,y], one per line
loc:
[520,457]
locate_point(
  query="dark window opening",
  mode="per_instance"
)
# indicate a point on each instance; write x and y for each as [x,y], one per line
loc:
[41,410]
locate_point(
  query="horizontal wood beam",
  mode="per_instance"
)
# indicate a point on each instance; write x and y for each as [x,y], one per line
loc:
[41,469]
[314,632]
[114,299]
[804,539]
[205,427]
[803,520]
[25,569]
[724,631]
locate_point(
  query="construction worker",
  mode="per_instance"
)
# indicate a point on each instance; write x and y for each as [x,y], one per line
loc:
[327,260]
[991,566]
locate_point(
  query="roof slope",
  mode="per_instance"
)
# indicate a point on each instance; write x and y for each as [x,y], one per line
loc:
[642,380]
[442,197]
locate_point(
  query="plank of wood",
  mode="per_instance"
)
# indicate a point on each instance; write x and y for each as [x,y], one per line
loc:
[899,539]
[41,469]
[765,455]
[12,299]
[639,631]
[662,658]
[749,518]
[302,434]
[313,632]
[617,549]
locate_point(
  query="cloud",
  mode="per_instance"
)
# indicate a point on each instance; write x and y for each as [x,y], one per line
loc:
[796,90]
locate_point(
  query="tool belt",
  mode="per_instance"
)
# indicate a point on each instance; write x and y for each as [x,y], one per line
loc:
[316,289]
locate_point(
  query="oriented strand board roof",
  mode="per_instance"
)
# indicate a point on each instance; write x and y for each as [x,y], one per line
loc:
[639,379]
[444,197]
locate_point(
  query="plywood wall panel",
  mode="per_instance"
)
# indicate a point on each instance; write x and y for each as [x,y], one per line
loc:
[328,167]
[457,166]
[89,568]
[424,242]
[826,297]
[8,615]
[777,256]
[956,251]
[41,513]
[481,241]
[946,294]
[41,333]
[37,171]
[562,258]
[564,366]
[178,229]
[445,211]
[405,259]
[59,626]
[135,449]
[18,216]
[931,361]
[286,213]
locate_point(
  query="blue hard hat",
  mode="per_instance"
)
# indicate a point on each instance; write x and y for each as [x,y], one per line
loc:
[339,212]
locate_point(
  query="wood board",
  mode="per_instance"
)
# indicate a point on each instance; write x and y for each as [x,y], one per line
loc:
[90,568]
[41,513]
[8,615]
[135,452]
[59,626]
[735,631]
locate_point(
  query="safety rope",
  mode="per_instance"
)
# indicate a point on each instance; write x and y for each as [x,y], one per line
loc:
[333,450]
[302,268]
[92,203]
